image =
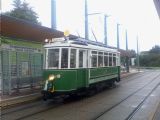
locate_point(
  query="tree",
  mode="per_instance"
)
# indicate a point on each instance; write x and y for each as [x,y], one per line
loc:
[22,10]
[155,49]
[151,58]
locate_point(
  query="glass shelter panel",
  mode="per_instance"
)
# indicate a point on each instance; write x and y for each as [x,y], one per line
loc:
[53,58]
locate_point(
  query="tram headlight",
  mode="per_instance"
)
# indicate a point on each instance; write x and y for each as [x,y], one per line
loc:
[51,77]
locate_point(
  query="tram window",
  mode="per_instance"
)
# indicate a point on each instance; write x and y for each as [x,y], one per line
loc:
[94,52]
[73,58]
[80,58]
[110,59]
[106,54]
[64,58]
[100,59]
[114,59]
[94,59]
[105,60]
[53,58]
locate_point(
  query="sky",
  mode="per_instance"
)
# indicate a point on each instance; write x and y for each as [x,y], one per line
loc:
[138,17]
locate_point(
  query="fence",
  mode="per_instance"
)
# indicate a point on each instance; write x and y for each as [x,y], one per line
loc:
[20,68]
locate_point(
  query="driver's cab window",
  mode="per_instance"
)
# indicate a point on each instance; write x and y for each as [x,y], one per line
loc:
[53,58]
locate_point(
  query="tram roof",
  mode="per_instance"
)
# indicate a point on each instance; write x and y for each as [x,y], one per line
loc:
[21,29]
[79,43]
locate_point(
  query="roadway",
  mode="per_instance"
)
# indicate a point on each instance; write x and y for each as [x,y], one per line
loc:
[136,97]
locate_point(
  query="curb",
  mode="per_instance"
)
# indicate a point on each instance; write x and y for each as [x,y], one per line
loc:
[20,99]
[124,75]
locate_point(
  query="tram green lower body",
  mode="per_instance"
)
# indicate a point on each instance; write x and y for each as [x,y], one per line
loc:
[67,80]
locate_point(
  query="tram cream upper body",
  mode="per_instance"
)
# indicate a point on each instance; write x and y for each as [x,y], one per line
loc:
[61,42]
[94,54]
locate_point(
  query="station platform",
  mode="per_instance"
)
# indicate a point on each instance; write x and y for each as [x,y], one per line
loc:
[17,98]
[27,95]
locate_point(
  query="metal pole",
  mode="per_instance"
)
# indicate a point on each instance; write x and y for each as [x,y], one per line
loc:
[86,20]
[105,30]
[1,73]
[118,36]
[138,55]
[126,40]
[127,57]
[53,14]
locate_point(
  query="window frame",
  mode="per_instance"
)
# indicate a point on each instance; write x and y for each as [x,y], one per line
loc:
[85,58]
[91,65]
[75,58]
[60,59]
[107,55]
[102,55]
[47,58]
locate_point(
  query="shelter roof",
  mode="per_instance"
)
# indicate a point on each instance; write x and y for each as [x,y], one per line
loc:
[21,29]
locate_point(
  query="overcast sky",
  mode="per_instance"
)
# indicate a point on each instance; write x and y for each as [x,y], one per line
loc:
[139,17]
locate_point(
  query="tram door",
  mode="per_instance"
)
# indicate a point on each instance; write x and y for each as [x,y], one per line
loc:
[81,77]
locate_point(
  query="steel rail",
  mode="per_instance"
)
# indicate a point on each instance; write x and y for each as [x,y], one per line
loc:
[115,105]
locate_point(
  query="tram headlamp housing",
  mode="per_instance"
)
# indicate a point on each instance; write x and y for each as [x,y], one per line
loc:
[51,77]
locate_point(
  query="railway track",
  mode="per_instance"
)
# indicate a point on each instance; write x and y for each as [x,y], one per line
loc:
[32,109]
[129,117]
[35,108]
[130,78]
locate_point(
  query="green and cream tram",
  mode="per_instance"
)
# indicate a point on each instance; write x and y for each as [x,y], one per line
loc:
[72,66]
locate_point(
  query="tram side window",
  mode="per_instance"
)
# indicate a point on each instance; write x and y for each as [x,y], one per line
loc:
[114,59]
[94,59]
[110,59]
[80,58]
[64,58]
[73,58]
[53,58]
[105,59]
[100,59]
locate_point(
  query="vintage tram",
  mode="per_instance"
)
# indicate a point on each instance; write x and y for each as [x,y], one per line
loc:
[78,65]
